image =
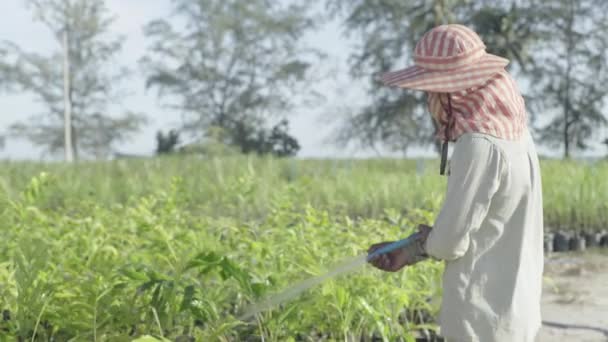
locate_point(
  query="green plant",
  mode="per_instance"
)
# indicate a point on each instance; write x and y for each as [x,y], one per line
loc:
[176,248]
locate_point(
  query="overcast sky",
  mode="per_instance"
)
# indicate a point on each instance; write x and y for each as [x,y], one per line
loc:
[309,125]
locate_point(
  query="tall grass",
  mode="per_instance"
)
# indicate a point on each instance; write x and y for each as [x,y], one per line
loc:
[575,195]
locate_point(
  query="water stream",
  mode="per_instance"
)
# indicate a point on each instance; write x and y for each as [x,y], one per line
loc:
[293,291]
[345,266]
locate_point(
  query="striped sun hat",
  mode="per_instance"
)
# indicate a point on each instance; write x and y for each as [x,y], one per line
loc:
[447,59]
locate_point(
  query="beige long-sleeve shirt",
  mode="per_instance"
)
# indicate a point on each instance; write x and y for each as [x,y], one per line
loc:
[490,233]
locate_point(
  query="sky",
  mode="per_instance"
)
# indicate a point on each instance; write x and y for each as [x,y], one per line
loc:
[311,126]
[308,125]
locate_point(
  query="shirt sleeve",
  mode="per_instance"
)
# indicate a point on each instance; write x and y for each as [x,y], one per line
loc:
[476,168]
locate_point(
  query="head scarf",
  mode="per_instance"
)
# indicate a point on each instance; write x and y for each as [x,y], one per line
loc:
[495,108]
[469,89]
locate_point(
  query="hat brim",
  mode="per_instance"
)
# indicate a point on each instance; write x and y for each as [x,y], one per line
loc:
[447,81]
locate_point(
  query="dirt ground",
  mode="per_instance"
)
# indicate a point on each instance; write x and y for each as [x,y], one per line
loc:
[575,297]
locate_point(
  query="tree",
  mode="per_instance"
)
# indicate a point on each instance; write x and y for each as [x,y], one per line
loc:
[387,32]
[233,65]
[571,72]
[276,141]
[79,79]
[281,143]
[166,143]
[249,138]
[5,70]
[508,30]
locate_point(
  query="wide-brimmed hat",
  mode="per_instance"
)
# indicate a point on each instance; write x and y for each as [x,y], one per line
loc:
[447,59]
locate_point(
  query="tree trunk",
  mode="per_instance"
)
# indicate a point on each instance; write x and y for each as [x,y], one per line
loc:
[67,115]
[74,142]
[569,53]
[566,123]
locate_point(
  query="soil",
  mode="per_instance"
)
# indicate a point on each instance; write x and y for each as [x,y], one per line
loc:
[575,297]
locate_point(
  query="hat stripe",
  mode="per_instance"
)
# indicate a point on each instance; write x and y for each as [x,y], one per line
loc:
[476,103]
[473,37]
[499,109]
[458,59]
[416,75]
[470,114]
[446,63]
[412,73]
[511,101]
[425,43]
[451,44]
[484,97]
[470,37]
[487,106]
[452,54]
[490,118]
[486,113]
[498,114]
[469,78]
[442,48]
[494,111]
[469,124]
[461,126]
[515,107]
[462,43]
[392,78]
[490,122]
[498,93]
[434,43]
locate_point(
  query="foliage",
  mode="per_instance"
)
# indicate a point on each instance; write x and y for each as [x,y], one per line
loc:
[509,31]
[249,139]
[233,65]
[571,72]
[166,143]
[152,270]
[94,79]
[386,32]
[565,98]
[245,187]
[142,250]
[277,141]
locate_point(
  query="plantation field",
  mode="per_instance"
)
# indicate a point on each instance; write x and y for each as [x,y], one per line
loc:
[575,194]
[177,247]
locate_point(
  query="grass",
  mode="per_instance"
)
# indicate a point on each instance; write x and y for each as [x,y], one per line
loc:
[175,248]
[575,195]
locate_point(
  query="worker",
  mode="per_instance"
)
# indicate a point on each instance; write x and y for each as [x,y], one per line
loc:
[489,230]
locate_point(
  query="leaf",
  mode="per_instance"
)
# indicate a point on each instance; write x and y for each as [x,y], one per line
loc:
[258,289]
[189,293]
[133,274]
[149,338]
[286,314]
[205,262]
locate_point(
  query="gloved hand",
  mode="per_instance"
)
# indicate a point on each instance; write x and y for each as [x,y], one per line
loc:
[408,255]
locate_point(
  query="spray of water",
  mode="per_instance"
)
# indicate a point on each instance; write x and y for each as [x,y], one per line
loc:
[340,268]
[293,291]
